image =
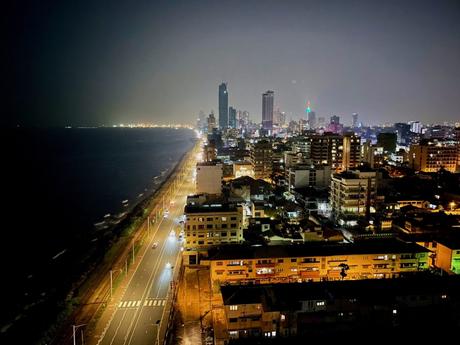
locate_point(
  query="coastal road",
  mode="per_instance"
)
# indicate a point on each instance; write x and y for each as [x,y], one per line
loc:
[138,314]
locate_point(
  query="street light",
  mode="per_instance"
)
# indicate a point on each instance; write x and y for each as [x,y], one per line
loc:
[158,331]
[74,328]
[111,280]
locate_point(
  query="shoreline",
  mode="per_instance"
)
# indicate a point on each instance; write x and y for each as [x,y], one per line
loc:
[127,231]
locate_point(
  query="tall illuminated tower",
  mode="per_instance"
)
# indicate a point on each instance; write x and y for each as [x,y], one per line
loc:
[311,116]
[267,109]
[223,106]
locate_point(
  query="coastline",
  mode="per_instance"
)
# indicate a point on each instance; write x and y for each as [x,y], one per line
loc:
[125,235]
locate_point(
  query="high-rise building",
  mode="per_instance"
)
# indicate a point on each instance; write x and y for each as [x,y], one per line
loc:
[335,126]
[279,118]
[367,153]
[267,110]
[354,122]
[243,118]
[335,120]
[351,151]
[430,156]
[211,122]
[262,159]
[415,127]
[402,132]
[387,141]
[353,193]
[232,117]
[223,106]
[311,117]
[339,152]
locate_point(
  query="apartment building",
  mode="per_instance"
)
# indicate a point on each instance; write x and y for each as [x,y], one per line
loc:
[307,175]
[209,178]
[212,223]
[430,156]
[352,192]
[262,159]
[316,261]
[448,255]
[363,308]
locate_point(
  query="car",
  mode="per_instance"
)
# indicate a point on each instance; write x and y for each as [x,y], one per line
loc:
[155,244]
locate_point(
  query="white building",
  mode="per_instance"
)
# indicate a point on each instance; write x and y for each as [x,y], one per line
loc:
[209,178]
[302,175]
[352,192]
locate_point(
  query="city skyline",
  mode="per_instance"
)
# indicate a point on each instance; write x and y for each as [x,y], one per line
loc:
[86,64]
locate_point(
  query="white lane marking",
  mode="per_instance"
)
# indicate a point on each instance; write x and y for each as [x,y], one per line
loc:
[150,303]
[129,304]
[155,303]
[125,303]
[164,302]
[120,304]
[138,303]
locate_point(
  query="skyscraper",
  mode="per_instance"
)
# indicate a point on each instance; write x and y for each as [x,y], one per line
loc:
[267,109]
[311,117]
[232,117]
[223,106]
[354,122]
[211,122]
[335,120]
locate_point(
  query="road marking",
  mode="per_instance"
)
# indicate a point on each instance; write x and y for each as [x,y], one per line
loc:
[164,302]
[155,303]
[138,303]
[129,304]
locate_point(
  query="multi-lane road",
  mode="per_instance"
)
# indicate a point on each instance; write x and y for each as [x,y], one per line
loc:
[141,310]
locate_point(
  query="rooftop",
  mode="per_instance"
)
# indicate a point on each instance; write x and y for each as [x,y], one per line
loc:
[282,296]
[388,246]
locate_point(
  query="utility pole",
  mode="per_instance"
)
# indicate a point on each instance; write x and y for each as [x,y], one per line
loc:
[133,252]
[74,328]
[111,283]
[148,226]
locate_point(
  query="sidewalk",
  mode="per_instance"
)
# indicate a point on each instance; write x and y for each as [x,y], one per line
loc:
[193,306]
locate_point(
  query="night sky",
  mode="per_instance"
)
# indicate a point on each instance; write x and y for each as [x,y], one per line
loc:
[106,62]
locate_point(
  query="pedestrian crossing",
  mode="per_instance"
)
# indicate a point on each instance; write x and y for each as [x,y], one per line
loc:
[154,302]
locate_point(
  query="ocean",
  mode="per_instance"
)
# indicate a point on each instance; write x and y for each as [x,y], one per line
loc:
[62,191]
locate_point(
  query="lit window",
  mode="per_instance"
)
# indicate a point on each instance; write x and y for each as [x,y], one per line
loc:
[443,296]
[320,303]
[283,317]
[233,307]
[395,311]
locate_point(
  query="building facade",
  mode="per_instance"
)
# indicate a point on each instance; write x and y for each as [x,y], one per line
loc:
[267,110]
[316,262]
[431,156]
[352,192]
[209,178]
[211,224]
[223,106]
[262,159]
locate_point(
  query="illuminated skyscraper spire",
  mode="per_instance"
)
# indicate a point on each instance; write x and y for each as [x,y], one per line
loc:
[308,110]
